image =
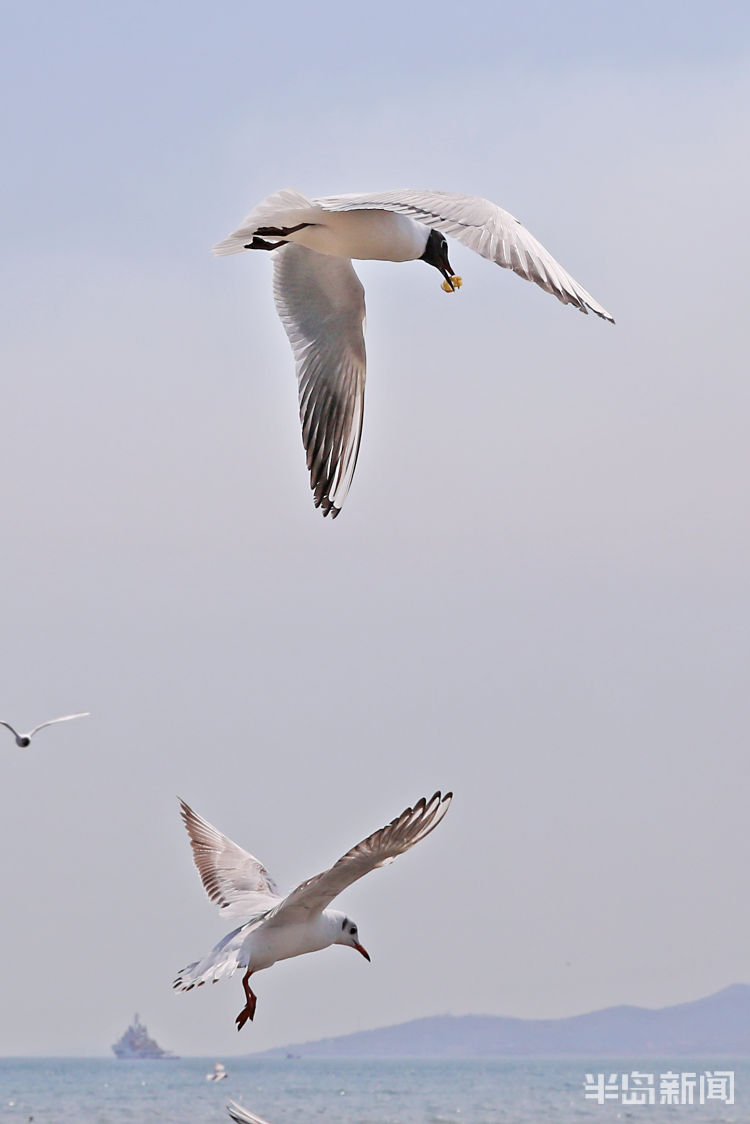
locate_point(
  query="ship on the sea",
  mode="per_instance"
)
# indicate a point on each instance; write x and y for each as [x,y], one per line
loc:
[135,1043]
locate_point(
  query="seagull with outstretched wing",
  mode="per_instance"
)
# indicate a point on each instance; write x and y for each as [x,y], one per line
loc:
[22,740]
[321,302]
[276,927]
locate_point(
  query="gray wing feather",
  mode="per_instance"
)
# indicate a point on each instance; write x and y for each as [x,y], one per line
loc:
[484,227]
[378,849]
[321,304]
[233,878]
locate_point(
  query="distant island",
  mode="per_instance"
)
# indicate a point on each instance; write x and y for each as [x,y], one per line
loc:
[717,1026]
[135,1043]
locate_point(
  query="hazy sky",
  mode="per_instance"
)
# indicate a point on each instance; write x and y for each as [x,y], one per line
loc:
[537,593]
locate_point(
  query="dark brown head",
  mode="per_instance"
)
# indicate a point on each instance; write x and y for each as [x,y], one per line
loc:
[436,253]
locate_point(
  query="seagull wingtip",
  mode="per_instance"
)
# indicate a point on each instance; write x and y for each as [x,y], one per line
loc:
[325,506]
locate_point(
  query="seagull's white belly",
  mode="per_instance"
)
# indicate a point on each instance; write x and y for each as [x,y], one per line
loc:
[267,944]
[378,235]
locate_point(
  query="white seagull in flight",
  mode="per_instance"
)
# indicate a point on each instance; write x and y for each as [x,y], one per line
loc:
[275,926]
[321,302]
[22,740]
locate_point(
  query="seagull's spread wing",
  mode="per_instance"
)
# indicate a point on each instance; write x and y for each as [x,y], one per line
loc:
[234,879]
[483,227]
[54,721]
[241,1116]
[378,849]
[8,726]
[321,303]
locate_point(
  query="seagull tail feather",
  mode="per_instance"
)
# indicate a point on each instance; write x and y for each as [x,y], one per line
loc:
[284,208]
[223,960]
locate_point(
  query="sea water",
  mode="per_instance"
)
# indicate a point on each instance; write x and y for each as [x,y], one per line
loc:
[301,1090]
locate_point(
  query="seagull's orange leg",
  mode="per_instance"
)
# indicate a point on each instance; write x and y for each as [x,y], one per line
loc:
[251,1001]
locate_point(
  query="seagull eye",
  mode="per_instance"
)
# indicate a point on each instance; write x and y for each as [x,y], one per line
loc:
[353,930]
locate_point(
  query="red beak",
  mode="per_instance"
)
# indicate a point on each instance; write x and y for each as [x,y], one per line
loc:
[364,951]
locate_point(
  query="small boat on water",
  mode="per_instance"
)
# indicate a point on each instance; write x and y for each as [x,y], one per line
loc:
[136,1043]
[218,1074]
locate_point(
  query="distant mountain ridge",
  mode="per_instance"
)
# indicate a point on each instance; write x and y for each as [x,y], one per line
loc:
[718,1025]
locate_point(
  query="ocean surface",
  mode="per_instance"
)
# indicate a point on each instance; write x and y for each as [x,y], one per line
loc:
[508,1091]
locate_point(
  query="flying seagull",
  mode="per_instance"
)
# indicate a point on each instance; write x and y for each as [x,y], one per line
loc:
[22,740]
[321,302]
[275,926]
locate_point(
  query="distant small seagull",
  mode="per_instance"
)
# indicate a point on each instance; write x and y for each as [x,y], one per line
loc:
[278,927]
[241,1116]
[321,302]
[22,740]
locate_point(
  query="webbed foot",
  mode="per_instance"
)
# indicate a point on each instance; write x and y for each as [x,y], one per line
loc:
[248,1011]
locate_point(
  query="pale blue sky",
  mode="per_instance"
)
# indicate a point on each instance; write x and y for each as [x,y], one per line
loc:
[536,593]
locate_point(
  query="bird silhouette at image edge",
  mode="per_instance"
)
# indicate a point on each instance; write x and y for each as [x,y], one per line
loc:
[241,1115]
